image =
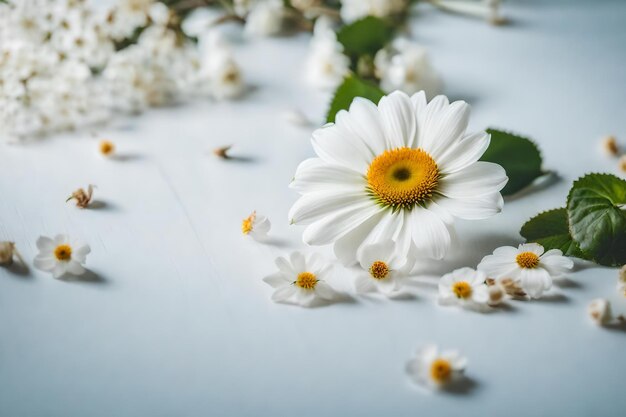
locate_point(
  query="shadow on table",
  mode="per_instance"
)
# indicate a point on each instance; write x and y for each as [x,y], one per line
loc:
[18,268]
[89,277]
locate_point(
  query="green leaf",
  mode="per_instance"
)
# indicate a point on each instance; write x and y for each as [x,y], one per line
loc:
[364,37]
[596,211]
[352,87]
[551,230]
[519,157]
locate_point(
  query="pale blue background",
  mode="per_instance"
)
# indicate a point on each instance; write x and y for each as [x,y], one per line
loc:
[175,320]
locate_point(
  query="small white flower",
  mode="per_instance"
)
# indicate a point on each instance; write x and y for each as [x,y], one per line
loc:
[265,18]
[465,287]
[300,280]
[528,265]
[255,226]
[405,66]
[219,70]
[352,10]
[383,270]
[433,369]
[61,255]
[326,65]
[600,311]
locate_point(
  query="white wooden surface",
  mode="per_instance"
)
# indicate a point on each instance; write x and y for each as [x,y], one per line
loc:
[174,319]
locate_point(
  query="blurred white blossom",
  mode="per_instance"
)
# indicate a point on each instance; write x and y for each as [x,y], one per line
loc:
[405,66]
[326,65]
[265,18]
[352,10]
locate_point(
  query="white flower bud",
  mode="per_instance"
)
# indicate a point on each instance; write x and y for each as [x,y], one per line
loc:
[600,311]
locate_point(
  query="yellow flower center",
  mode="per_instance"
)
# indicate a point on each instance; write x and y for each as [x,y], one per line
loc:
[63,252]
[402,177]
[106,147]
[246,224]
[462,289]
[306,280]
[527,260]
[379,270]
[440,371]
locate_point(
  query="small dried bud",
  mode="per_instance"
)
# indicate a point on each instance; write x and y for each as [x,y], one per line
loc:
[490,281]
[82,197]
[600,311]
[609,144]
[622,163]
[107,148]
[7,250]
[222,152]
[622,274]
[512,288]
[496,295]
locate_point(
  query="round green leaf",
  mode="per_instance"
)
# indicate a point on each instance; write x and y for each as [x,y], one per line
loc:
[597,219]
[352,87]
[519,157]
[551,230]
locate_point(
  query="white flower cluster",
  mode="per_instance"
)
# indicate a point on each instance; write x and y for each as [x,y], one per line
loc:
[352,10]
[65,64]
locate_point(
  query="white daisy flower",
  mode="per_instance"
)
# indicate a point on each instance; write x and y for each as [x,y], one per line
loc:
[528,265]
[383,270]
[61,255]
[465,287]
[300,280]
[402,170]
[256,226]
[433,369]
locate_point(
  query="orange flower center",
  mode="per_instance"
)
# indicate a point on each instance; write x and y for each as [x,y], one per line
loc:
[527,260]
[379,270]
[63,252]
[306,280]
[440,371]
[462,289]
[402,177]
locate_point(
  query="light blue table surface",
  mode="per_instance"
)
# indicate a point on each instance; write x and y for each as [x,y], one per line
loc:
[176,320]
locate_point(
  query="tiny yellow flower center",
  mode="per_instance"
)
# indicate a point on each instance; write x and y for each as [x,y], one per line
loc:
[527,260]
[440,371]
[402,177]
[247,223]
[106,147]
[379,270]
[306,280]
[462,289]
[63,252]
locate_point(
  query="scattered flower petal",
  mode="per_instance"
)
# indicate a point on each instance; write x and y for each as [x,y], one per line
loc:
[106,147]
[222,151]
[609,144]
[82,197]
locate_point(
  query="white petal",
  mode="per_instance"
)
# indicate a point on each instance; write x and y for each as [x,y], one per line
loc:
[316,175]
[555,263]
[339,223]
[325,291]
[479,208]
[509,252]
[347,246]
[284,266]
[305,297]
[535,281]
[380,251]
[480,294]
[497,266]
[45,263]
[363,284]
[419,103]
[298,261]
[464,153]
[284,293]
[61,240]
[59,269]
[386,286]
[535,248]
[429,232]
[80,253]
[75,268]
[445,128]
[398,120]
[476,180]
[276,280]
[319,204]
[365,122]
[334,146]
[427,117]
[46,244]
